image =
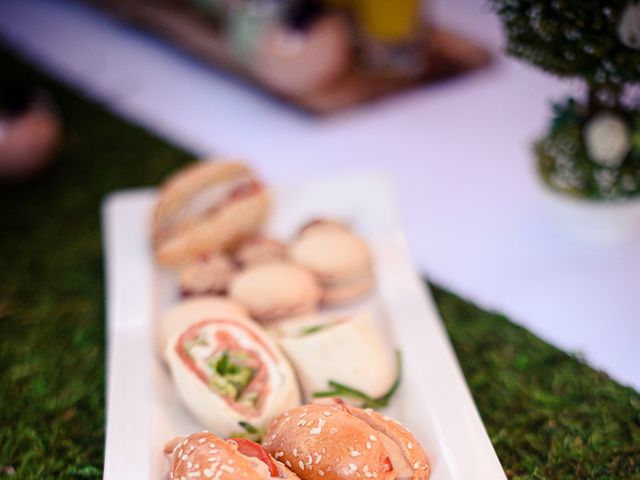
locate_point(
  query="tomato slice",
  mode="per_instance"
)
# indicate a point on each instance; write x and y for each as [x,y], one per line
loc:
[252,449]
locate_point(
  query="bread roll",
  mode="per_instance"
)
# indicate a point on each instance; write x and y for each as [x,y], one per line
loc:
[333,441]
[275,290]
[339,258]
[205,455]
[207,207]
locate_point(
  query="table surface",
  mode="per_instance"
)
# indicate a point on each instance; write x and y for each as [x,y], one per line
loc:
[458,153]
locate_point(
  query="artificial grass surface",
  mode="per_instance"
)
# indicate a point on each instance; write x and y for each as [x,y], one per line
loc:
[549,415]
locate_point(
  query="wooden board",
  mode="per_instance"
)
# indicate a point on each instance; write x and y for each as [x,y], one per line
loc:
[448,54]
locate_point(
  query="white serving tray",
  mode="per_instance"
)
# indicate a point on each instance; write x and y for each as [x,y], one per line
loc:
[143,410]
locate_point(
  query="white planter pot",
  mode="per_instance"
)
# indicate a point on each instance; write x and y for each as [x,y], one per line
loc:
[603,223]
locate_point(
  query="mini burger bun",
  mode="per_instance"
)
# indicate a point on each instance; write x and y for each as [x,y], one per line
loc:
[219,230]
[180,186]
[349,291]
[338,257]
[205,455]
[408,444]
[275,290]
[333,441]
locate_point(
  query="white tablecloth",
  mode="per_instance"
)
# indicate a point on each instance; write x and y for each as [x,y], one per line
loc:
[458,153]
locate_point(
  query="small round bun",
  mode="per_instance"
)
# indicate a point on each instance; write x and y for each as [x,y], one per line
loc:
[401,436]
[205,455]
[180,187]
[333,441]
[275,290]
[338,257]
[207,207]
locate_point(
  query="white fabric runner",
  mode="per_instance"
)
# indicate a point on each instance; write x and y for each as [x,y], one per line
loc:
[458,152]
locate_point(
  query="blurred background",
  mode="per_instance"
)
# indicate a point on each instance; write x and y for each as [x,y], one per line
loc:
[422,91]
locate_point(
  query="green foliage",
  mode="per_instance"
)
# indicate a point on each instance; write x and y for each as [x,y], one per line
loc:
[548,414]
[565,165]
[566,115]
[52,335]
[571,38]
[574,38]
[635,136]
[250,432]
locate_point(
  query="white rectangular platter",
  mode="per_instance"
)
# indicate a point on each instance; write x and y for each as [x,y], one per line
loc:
[143,410]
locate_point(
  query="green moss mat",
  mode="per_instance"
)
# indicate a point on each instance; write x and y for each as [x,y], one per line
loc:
[548,414]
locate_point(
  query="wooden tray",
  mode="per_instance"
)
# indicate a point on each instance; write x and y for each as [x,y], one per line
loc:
[448,54]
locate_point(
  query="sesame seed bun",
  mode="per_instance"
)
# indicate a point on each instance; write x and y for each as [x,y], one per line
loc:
[339,258]
[200,211]
[275,290]
[403,438]
[333,441]
[205,455]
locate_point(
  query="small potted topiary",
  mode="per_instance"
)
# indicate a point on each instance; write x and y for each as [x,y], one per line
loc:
[589,159]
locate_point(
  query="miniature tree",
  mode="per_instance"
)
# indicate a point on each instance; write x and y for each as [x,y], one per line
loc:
[592,148]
